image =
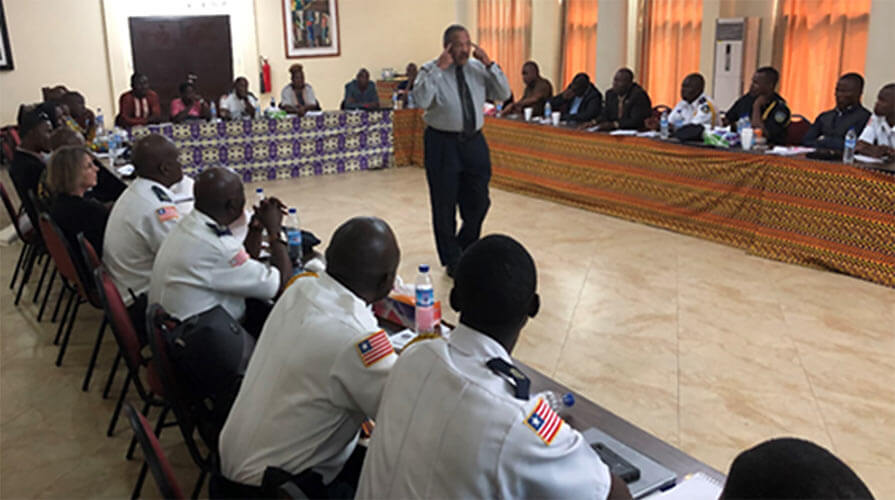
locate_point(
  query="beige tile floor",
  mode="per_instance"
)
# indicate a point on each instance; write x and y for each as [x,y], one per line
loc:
[703,345]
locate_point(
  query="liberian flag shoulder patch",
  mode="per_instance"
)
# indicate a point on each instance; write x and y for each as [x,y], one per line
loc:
[544,421]
[374,348]
[167,213]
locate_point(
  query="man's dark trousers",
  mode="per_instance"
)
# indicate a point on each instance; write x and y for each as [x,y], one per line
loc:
[458,169]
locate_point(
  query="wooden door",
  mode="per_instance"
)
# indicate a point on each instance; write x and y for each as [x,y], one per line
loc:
[167,49]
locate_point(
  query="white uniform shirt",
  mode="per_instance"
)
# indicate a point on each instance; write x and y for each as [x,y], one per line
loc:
[701,111]
[878,132]
[308,386]
[195,270]
[236,106]
[140,220]
[449,427]
[287,96]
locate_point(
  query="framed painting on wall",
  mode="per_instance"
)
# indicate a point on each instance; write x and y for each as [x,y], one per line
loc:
[310,28]
[5,50]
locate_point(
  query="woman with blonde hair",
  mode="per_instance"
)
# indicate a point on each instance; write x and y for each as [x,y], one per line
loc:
[70,174]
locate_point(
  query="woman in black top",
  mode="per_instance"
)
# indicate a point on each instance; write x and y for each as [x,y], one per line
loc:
[70,174]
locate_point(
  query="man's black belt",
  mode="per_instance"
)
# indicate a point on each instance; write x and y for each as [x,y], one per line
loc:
[460,136]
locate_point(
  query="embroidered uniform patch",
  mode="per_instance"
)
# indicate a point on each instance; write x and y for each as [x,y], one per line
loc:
[779,116]
[544,421]
[239,259]
[374,348]
[167,213]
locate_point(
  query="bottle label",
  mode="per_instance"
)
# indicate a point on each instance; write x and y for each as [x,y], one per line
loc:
[425,297]
[294,236]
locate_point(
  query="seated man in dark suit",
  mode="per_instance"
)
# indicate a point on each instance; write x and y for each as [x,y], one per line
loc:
[627,105]
[830,127]
[360,93]
[763,106]
[580,102]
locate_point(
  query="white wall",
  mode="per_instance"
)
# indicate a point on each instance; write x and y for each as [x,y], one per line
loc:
[54,42]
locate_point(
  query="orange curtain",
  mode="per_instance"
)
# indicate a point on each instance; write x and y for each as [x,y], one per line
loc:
[505,34]
[671,41]
[823,40]
[579,53]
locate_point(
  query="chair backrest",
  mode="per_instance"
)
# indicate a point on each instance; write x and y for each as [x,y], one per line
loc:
[159,324]
[154,455]
[91,258]
[798,127]
[60,251]
[9,141]
[13,213]
[125,333]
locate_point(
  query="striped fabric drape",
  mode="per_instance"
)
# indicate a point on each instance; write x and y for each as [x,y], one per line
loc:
[672,35]
[823,40]
[504,32]
[579,52]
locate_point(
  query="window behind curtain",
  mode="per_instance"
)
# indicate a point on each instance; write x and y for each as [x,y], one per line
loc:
[505,34]
[823,39]
[671,41]
[579,54]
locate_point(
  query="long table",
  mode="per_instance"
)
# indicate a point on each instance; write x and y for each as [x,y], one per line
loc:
[266,149]
[820,214]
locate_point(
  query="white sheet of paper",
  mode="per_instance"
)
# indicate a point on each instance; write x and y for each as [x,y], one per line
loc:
[867,159]
[623,132]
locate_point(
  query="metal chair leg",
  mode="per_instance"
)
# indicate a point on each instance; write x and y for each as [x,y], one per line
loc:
[71,324]
[64,317]
[127,383]
[26,248]
[62,291]
[112,373]
[93,356]
[40,282]
[131,447]
[139,486]
[26,274]
[43,304]
[199,483]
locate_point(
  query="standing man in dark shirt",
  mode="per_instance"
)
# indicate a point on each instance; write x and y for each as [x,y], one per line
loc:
[627,104]
[452,90]
[580,102]
[763,106]
[830,127]
[538,90]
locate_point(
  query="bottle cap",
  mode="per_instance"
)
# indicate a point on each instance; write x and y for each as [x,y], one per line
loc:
[259,190]
[292,211]
[424,268]
[568,399]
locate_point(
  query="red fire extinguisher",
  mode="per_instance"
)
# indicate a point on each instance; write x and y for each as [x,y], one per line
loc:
[264,76]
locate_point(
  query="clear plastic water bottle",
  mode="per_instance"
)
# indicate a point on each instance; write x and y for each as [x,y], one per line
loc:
[395,100]
[293,236]
[114,144]
[425,302]
[410,103]
[848,152]
[257,110]
[548,110]
[214,113]
[272,109]
[663,125]
[561,404]
[259,196]
[499,108]
[100,123]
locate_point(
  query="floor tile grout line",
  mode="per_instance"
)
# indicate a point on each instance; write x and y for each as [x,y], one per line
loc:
[677,319]
[814,398]
[568,328]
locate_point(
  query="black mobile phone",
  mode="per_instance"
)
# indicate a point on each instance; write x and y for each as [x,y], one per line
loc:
[617,465]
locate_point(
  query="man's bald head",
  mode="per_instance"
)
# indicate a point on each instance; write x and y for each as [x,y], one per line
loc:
[363,256]
[219,194]
[156,158]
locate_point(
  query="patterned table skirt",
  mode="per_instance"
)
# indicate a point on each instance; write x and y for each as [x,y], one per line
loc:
[267,149]
[826,215]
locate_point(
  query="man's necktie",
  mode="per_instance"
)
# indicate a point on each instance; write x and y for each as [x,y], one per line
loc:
[465,104]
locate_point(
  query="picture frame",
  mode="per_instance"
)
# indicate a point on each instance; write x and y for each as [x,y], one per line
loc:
[311,28]
[5,49]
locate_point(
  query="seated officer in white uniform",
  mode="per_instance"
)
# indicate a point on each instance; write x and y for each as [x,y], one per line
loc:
[456,419]
[695,108]
[878,138]
[316,373]
[201,264]
[140,220]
